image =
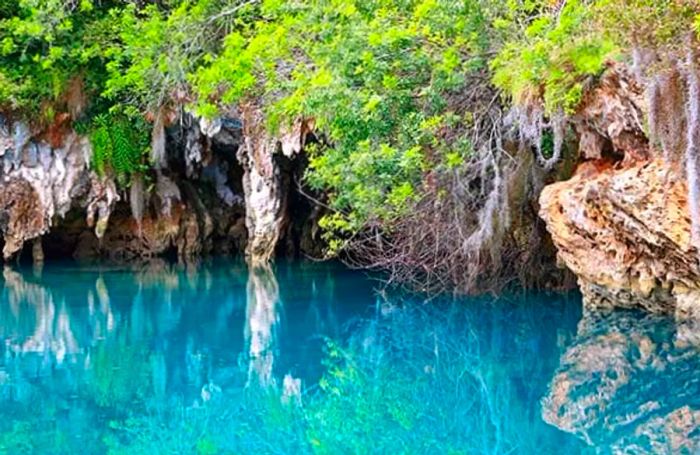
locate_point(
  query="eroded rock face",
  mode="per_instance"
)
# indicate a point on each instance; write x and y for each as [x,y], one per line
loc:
[625,233]
[266,191]
[220,187]
[51,193]
[40,184]
[22,217]
[621,224]
[611,118]
[195,224]
[629,384]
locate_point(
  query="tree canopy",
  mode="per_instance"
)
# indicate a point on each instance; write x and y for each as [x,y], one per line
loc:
[401,91]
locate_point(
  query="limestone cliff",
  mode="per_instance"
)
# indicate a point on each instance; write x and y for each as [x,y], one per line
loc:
[41,182]
[265,188]
[622,222]
[219,188]
[626,234]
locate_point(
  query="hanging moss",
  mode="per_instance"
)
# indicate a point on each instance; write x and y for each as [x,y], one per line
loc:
[692,152]
[670,116]
[137,198]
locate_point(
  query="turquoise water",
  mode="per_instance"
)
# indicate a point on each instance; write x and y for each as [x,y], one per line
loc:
[308,358]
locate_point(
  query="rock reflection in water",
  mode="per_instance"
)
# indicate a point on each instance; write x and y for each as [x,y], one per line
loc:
[43,320]
[159,328]
[297,358]
[262,317]
[629,383]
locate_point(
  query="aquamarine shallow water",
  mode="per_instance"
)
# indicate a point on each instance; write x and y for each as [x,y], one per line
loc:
[308,358]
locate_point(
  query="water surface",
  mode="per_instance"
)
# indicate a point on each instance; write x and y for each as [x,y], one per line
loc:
[308,358]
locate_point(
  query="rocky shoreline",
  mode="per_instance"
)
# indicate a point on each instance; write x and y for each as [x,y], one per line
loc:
[621,223]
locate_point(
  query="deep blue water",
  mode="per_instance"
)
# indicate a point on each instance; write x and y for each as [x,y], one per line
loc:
[309,358]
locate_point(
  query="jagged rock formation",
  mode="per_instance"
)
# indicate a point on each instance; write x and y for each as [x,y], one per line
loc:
[622,223]
[610,119]
[217,187]
[266,192]
[44,187]
[40,183]
[626,234]
[612,387]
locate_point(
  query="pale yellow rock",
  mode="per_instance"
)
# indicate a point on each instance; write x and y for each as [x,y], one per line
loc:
[626,234]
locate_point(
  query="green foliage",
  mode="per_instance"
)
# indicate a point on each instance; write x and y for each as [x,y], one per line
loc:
[549,54]
[119,145]
[44,44]
[26,438]
[652,24]
[379,401]
[120,374]
[155,49]
[140,55]
[380,79]
[49,45]
[390,84]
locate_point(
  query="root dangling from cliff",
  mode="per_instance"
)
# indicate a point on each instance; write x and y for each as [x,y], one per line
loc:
[673,98]
[531,126]
[475,228]
[137,198]
[558,126]
[653,96]
[158,156]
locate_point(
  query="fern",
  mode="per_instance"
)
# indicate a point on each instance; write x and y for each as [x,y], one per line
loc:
[101,144]
[126,158]
[119,145]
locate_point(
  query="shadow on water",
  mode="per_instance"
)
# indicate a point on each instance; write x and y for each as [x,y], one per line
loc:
[296,358]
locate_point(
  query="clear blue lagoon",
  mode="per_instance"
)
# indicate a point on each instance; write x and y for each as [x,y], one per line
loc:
[310,358]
